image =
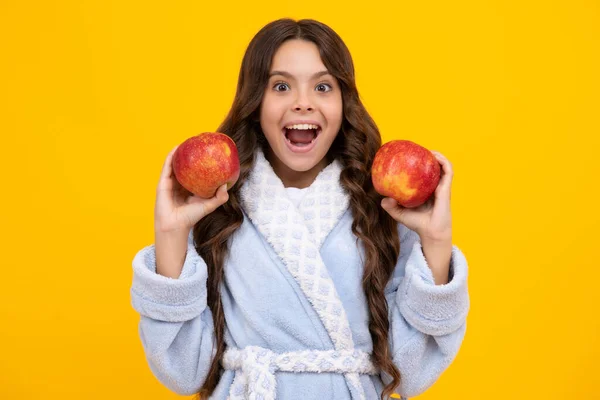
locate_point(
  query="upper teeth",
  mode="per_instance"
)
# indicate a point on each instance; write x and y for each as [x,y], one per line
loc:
[302,126]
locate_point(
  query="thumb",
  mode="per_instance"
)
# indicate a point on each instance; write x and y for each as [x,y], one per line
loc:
[198,208]
[395,210]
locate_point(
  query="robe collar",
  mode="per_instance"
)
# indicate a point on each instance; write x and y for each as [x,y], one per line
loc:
[297,234]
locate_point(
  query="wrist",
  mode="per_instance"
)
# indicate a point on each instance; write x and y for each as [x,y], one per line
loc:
[438,253]
[171,236]
[437,241]
[175,231]
[171,249]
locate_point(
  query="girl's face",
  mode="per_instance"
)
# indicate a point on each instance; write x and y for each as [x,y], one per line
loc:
[300,96]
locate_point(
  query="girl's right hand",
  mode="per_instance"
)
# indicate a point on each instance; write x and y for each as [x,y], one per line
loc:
[176,208]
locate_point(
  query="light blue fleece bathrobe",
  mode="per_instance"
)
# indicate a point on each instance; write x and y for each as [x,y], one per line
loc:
[295,311]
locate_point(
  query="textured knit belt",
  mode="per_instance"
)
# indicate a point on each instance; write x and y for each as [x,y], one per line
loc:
[258,366]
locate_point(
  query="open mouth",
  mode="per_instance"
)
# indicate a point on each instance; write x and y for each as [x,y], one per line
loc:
[301,135]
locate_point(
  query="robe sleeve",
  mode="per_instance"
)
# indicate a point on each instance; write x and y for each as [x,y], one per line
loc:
[176,326]
[427,321]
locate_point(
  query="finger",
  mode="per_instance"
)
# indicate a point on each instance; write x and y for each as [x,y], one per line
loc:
[395,210]
[221,196]
[167,166]
[447,173]
[201,207]
[388,203]
[165,183]
[445,163]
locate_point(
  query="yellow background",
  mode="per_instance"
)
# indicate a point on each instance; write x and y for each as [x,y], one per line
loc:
[94,94]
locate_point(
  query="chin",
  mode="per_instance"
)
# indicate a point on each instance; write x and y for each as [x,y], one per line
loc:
[298,163]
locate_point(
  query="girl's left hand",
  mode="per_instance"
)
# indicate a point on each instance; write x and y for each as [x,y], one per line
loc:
[431,220]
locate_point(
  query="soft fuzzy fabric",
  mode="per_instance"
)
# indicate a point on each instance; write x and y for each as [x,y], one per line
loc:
[256,367]
[296,234]
[293,284]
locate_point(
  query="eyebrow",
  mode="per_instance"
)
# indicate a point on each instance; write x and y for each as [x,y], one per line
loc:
[288,75]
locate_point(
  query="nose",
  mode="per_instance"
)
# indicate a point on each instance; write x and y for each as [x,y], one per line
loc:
[303,102]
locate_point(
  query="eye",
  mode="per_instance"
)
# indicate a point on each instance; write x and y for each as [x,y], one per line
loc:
[327,87]
[278,85]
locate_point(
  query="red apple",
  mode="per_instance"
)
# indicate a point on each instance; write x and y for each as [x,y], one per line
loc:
[205,162]
[406,172]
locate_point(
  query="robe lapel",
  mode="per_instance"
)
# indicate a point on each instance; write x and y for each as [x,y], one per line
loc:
[297,235]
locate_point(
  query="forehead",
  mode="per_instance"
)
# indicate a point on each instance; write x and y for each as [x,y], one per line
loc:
[298,57]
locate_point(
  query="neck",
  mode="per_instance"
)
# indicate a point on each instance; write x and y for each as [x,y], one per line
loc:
[292,178]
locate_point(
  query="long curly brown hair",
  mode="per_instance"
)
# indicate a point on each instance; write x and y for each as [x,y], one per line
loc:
[356,144]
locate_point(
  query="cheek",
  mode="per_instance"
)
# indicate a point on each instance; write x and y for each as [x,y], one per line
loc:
[270,117]
[333,111]
[271,109]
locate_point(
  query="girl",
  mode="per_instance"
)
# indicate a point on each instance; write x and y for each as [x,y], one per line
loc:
[301,282]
